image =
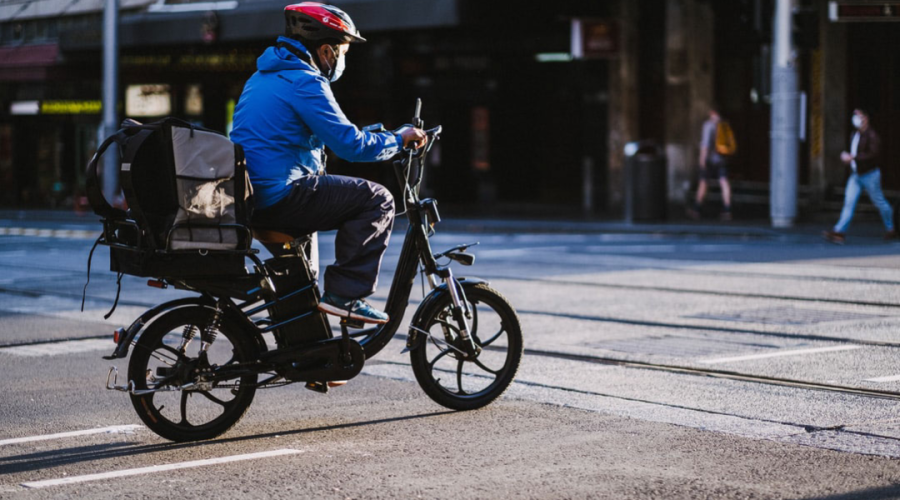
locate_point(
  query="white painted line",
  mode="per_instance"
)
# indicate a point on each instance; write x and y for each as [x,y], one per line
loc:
[793,352]
[81,234]
[45,437]
[892,378]
[158,468]
[55,348]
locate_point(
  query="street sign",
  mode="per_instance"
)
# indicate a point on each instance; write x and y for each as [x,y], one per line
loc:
[854,11]
[594,39]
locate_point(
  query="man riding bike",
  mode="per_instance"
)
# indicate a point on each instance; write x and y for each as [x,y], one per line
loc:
[285,117]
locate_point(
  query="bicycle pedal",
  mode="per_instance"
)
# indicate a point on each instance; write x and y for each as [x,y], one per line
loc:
[352,323]
[321,387]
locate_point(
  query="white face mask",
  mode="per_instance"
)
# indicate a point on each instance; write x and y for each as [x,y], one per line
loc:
[857,121]
[339,67]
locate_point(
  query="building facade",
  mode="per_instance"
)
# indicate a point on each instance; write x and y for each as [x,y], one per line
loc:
[529,129]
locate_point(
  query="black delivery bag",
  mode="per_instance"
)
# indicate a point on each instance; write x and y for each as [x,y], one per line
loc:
[188,202]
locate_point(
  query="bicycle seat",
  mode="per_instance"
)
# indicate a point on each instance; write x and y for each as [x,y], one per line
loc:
[272,236]
[280,242]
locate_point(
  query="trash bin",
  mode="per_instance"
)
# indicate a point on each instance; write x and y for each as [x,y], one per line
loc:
[645,182]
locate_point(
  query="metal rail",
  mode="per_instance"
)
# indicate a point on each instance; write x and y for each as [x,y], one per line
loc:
[723,374]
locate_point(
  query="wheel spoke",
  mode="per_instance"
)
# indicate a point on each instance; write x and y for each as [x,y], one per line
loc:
[215,399]
[443,353]
[459,372]
[492,339]
[485,368]
[184,398]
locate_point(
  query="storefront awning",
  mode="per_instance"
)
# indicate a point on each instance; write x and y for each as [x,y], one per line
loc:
[27,62]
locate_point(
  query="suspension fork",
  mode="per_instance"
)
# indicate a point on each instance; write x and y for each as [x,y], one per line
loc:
[460,311]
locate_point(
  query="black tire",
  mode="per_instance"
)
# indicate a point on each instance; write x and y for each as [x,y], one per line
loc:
[473,384]
[156,362]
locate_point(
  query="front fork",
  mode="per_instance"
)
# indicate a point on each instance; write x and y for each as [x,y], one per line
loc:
[461,314]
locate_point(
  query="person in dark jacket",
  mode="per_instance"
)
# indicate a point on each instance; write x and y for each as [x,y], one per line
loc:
[285,117]
[862,160]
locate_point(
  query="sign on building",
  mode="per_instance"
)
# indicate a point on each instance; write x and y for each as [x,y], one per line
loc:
[854,11]
[595,39]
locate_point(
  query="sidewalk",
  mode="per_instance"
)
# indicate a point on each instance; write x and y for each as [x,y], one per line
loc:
[13,221]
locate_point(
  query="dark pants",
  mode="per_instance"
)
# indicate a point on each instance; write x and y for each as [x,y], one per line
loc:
[361,211]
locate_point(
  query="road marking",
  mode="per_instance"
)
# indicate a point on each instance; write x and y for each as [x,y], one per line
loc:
[892,378]
[158,468]
[519,252]
[45,437]
[793,352]
[79,234]
[55,348]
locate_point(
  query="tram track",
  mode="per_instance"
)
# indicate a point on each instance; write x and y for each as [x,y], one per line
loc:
[626,267]
[717,329]
[718,293]
[714,373]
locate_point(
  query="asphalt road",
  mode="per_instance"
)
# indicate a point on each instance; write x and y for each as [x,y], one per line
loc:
[679,364]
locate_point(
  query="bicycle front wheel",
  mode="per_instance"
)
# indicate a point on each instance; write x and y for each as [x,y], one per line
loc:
[462,383]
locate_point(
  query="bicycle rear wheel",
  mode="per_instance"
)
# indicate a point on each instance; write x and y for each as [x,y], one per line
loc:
[168,359]
[467,384]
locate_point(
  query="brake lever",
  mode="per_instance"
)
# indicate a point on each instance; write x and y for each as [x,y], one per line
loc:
[458,248]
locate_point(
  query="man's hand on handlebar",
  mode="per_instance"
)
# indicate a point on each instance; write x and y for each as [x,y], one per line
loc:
[413,138]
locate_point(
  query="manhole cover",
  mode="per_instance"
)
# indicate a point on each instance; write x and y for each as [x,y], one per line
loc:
[787,316]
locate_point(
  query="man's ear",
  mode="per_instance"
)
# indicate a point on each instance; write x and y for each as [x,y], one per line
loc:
[326,54]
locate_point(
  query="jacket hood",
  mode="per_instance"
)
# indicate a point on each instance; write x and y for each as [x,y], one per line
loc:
[278,58]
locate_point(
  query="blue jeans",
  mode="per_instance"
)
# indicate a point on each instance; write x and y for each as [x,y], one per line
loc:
[871,183]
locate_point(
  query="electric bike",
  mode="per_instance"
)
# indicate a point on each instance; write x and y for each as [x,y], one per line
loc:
[197,362]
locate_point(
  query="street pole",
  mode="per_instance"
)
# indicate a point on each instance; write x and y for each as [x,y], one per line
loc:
[110,94]
[785,119]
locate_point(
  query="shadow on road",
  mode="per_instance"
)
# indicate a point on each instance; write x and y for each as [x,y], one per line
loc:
[73,455]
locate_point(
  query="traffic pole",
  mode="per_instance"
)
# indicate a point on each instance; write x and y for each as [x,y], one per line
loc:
[110,94]
[784,138]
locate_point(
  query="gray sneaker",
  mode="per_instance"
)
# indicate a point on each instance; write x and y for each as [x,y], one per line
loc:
[357,309]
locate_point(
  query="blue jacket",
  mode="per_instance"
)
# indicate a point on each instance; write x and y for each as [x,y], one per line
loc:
[285,117]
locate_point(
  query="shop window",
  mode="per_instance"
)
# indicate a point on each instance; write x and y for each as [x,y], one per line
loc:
[30,31]
[193,100]
[148,100]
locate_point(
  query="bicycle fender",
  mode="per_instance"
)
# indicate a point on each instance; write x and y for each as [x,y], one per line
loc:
[138,325]
[413,338]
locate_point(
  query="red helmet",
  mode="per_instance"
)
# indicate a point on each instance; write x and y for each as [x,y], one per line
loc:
[316,21]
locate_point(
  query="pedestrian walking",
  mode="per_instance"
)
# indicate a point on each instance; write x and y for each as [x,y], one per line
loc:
[717,146]
[862,161]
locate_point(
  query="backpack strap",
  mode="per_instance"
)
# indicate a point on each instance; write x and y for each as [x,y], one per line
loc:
[129,150]
[92,183]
